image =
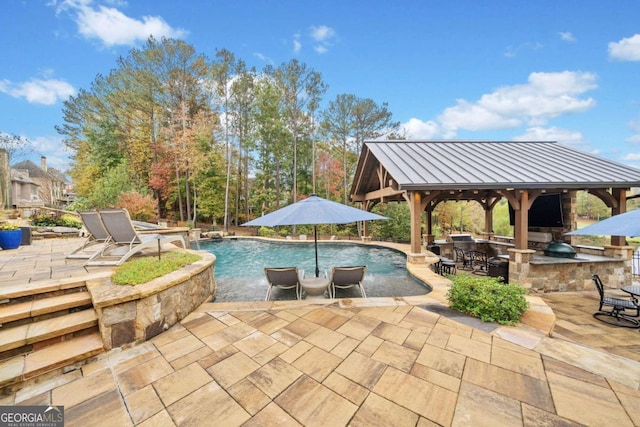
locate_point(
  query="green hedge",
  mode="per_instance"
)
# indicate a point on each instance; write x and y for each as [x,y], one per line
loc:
[487,298]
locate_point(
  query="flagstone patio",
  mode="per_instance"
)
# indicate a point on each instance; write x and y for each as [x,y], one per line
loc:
[375,361]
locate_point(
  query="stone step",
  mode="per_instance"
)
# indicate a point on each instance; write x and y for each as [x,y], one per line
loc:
[25,367]
[14,312]
[39,288]
[32,333]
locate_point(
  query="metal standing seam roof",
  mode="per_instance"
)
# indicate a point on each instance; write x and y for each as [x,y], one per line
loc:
[449,165]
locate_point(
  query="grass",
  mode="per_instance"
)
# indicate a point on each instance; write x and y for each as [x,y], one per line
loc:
[143,270]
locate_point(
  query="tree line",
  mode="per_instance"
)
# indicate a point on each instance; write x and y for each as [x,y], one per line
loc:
[214,140]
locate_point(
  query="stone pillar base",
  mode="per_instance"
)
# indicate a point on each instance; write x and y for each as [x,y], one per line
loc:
[415,258]
[622,252]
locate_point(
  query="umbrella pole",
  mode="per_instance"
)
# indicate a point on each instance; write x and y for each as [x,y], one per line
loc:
[315,239]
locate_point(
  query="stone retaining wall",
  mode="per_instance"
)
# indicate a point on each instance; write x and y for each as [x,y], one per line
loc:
[132,314]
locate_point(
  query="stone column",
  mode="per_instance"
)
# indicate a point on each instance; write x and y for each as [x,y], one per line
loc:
[5,181]
[519,263]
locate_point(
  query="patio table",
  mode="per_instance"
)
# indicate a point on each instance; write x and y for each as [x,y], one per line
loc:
[314,287]
[633,290]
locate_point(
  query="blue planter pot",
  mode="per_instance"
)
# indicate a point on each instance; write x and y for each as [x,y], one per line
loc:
[10,239]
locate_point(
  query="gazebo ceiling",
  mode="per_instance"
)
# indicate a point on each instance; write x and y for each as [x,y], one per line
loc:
[475,170]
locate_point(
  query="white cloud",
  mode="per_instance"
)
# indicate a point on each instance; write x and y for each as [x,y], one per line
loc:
[512,51]
[112,27]
[544,96]
[567,36]
[635,127]
[324,37]
[564,136]
[627,49]
[297,45]
[38,91]
[417,129]
[264,58]
[322,33]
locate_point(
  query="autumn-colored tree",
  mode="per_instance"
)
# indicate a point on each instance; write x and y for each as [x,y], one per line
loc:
[140,207]
[330,175]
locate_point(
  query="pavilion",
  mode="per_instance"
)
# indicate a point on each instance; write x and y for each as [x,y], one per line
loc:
[425,173]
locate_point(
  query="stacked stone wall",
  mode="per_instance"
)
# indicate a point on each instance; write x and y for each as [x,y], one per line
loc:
[132,314]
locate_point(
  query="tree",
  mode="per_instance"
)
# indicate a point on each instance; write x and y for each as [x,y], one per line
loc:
[272,142]
[15,146]
[242,118]
[371,121]
[140,115]
[337,124]
[302,89]
[222,73]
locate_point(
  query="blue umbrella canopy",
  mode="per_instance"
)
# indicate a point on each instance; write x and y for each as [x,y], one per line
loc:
[313,210]
[626,224]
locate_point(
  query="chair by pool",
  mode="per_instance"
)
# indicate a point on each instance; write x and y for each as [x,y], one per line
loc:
[125,241]
[283,278]
[97,239]
[347,277]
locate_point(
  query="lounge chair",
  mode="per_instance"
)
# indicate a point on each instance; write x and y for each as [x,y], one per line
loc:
[283,278]
[97,239]
[617,314]
[125,241]
[347,277]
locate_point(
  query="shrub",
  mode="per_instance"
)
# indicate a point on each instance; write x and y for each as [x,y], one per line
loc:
[143,270]
[47,220]
[487,298]
[266,231]
[140,207]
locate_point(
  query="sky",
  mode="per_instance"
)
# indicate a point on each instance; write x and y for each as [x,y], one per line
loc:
[513,70]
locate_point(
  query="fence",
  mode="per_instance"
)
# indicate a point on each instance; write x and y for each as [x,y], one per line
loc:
[635,264]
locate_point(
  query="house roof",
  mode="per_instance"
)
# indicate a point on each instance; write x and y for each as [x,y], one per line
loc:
[36,171]
[495,165]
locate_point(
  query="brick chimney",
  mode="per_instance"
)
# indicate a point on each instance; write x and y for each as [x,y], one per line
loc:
[43,163]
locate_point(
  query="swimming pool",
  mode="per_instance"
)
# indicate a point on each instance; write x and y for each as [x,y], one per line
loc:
[240,263]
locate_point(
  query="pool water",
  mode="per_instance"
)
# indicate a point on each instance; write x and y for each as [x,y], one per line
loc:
[240,263]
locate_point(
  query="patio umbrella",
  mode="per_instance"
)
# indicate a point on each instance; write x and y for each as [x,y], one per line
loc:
[313,210]
[626,224]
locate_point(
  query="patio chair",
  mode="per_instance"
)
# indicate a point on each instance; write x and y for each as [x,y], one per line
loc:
[97,239]
[347,277]
[480,260]
[464,258]
[125,241]
[283,278]
[616,315]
